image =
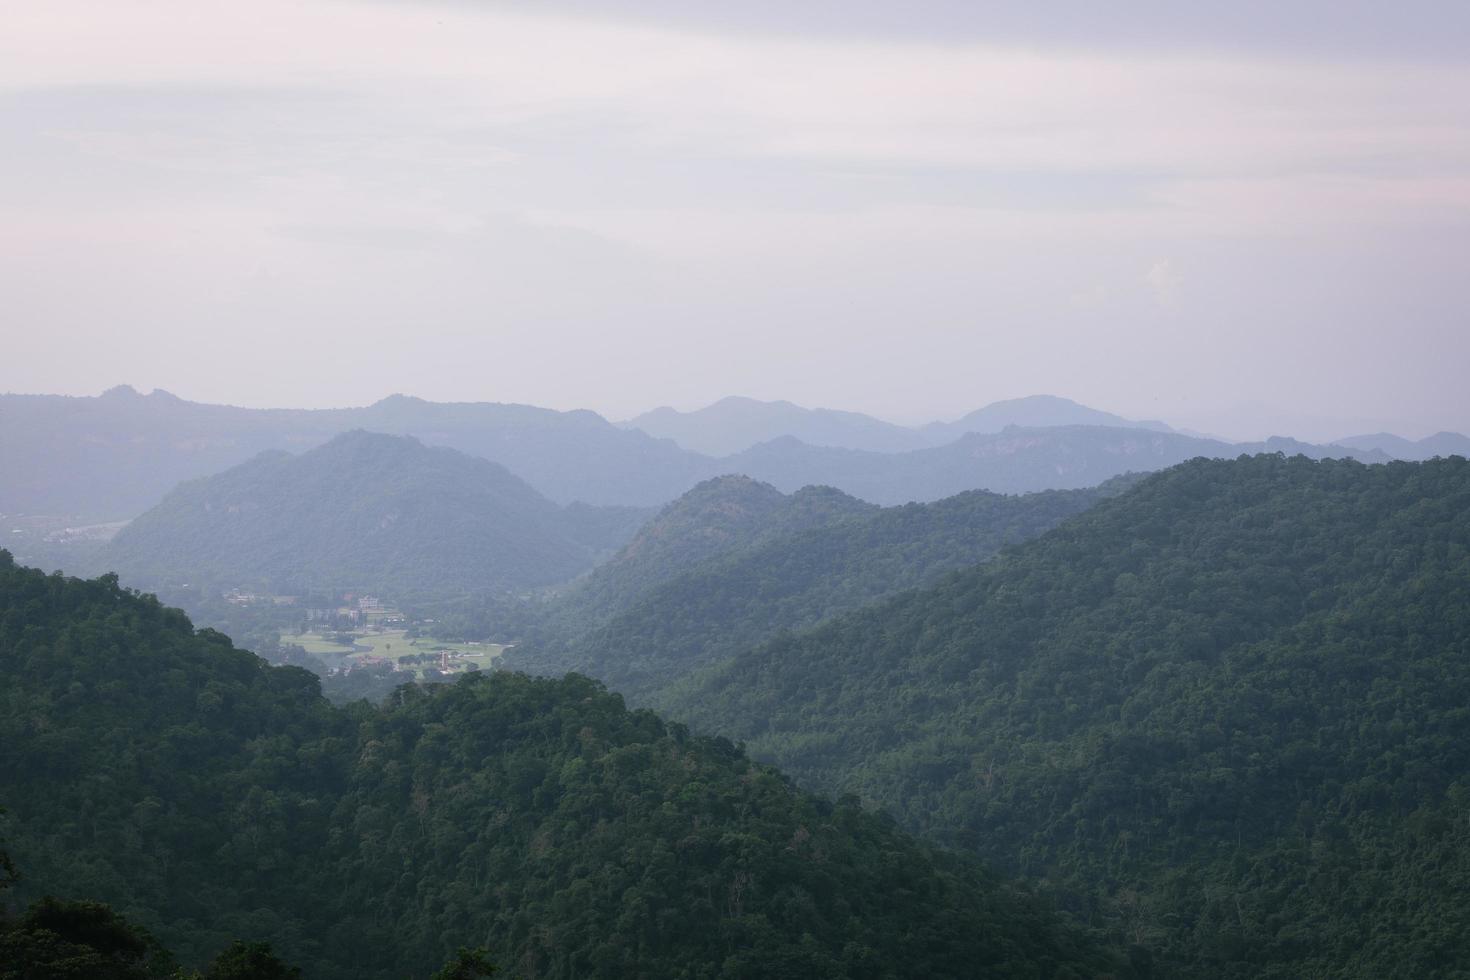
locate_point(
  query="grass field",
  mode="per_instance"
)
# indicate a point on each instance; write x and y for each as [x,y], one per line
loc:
[391,644]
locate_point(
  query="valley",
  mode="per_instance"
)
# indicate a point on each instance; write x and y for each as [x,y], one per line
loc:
[344,650]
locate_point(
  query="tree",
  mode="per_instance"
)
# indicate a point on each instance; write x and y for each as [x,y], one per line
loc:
[56,940]
[250,961]
[467,964]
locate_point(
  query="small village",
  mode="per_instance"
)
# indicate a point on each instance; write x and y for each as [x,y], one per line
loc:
[364,632]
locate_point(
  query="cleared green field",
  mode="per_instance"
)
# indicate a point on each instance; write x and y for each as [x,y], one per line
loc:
[392,644]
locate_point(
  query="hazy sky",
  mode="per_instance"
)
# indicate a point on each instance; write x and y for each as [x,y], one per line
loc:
[1248,220]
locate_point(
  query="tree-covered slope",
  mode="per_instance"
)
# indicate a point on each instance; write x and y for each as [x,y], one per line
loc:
[365,511]
[733,601]
[717,517]
[1230,705]
[208,796]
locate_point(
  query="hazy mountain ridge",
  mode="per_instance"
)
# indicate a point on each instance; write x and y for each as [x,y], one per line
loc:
[1412,450]
[734,424]
[1014,460]
[364,511]
[113,456]
[1229,703]
[1031,412]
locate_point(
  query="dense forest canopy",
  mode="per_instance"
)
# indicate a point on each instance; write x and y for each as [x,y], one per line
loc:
[1227,709]
[208,797]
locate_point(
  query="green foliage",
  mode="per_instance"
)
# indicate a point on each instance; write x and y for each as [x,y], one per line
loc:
[779,582]
[717,517]
[56,940]
[250,961]
[365,512]
[1226,711]
[212,796]
[467,964]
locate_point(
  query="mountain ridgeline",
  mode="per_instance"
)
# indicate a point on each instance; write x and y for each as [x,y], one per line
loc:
[112,457]
[211,796]
[369,512]
[641,632]
[1226,710]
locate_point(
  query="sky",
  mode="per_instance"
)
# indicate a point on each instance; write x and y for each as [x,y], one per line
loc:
[1245,221]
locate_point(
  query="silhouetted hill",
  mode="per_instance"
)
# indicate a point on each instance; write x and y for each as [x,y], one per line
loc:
[211,797]
[1397,447]
[114,456]
[364,511]
[734,424]
[1013,461]
[1031,412]
[1229,704]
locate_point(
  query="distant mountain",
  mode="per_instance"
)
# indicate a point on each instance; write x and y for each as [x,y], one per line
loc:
[1031,412]
[109,458]
[1228,704]
[364,511]
[1015,460]
[1439,444]
[716,517]
[734,424]
[114,456]
[736,599]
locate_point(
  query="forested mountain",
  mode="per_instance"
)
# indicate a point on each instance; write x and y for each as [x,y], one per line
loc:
[114,456]
[1229,706]
[734,424]
[1397,447]
[367,512]
[1031,412]
[210,796]
[1015,460]
[727,603]
[717,517]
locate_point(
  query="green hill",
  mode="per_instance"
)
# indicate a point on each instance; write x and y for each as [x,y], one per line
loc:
[368,512]
[1228,707]
[717,517]
[208,796]
[727,603]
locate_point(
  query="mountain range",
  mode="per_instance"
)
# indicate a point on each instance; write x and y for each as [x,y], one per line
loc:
[1226,709]
[733,425]
[1397,447]
[111,457]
